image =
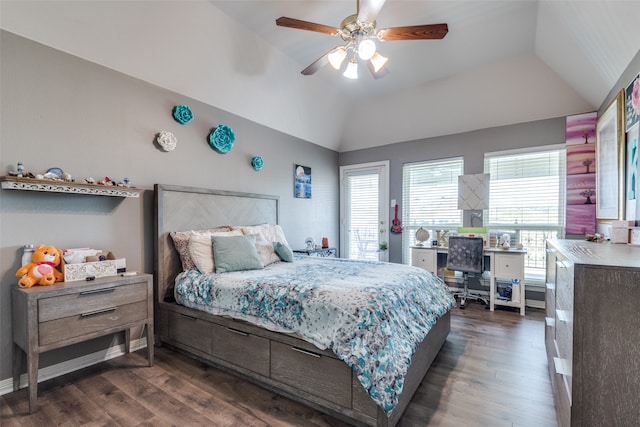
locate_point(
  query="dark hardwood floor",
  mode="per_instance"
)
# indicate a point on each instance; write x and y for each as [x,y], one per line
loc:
[492,371]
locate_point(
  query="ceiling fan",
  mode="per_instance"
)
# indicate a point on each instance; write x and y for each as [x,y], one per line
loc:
[358,31]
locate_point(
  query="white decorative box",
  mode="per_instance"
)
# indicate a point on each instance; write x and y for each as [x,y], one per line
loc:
[635,236]
[81,271]
[619,234]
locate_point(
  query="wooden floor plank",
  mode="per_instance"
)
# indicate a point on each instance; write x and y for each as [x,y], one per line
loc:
[492,371]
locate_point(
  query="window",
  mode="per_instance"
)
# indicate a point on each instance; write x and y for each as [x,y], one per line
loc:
[429,198]
[527,199]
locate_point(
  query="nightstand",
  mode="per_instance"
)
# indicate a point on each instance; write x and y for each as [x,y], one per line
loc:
[319,252]
[65,313]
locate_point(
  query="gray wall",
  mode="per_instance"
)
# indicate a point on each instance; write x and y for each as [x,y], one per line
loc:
[59,110]
[470,145]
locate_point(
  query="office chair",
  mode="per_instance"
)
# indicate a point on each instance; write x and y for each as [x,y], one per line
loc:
[466,254]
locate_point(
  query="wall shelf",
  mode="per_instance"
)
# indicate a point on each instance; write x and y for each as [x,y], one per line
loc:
[51,186]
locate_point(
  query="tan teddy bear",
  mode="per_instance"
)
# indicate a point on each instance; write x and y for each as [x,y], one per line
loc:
[42,268]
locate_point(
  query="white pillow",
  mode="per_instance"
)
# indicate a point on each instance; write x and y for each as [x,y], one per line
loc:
[201,249]
[266,236]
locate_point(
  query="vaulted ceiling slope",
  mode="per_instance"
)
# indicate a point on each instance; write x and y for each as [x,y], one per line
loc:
[502,62]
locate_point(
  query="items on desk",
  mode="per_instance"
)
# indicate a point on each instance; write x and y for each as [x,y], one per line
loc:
[422,236]
[443,238]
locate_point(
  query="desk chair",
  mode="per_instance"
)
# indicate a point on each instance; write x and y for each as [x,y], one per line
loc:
[466,254]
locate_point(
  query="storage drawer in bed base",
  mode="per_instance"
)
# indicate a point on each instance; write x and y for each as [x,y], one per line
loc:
[295,368]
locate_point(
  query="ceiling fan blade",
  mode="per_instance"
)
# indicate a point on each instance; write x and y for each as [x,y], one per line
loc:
[414,32]
[283,21]
[317,64]
[369,9]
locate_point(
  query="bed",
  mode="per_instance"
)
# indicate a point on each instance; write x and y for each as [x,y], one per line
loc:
[325,370]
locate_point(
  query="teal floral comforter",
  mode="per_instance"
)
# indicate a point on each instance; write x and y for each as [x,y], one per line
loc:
[371,315]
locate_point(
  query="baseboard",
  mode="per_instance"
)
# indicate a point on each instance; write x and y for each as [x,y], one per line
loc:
[53,371]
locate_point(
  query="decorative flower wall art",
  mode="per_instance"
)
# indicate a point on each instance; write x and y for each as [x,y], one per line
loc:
[222,138]
[182,113]
[257,162]
[166,141]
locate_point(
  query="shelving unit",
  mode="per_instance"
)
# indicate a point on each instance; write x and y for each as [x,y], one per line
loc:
[51,186]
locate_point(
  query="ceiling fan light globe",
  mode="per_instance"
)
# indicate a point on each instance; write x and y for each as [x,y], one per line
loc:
[366,49]
[378,61]
[352,70]
[337,56]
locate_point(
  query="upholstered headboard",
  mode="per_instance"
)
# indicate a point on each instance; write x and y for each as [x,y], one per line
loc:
[180,208]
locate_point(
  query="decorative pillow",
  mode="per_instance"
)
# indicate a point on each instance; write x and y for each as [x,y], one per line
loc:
[284,251]
[181,243]
[235,253]
[265,250]
[271,234]
[201,251]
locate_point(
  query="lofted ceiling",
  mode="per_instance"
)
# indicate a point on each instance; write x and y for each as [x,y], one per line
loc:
[502,62]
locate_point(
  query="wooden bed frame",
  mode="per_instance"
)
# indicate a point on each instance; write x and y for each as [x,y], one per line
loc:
[279,362]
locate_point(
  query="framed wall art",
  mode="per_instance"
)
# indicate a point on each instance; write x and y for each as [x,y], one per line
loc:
[302,182]
[632,103]
[610,148]
[633,187]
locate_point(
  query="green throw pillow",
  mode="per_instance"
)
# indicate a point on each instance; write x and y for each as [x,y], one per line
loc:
[235,253]
[284,251]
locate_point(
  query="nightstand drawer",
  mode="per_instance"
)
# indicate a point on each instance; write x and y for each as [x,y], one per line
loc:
[63,306]
[90,321]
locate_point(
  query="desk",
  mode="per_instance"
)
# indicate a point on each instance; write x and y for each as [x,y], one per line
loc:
[501,264]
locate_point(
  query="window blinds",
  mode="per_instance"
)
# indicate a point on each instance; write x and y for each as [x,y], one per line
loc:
[429,198]
[526,188]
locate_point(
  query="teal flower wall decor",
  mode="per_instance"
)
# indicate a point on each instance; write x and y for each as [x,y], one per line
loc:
[221,139]
[182,113]
[257,162]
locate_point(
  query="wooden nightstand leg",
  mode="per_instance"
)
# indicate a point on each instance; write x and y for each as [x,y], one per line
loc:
[17,365]
[150,344]
[127,340]
[32,373]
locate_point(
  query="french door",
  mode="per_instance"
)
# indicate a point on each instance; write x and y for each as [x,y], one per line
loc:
[364,217]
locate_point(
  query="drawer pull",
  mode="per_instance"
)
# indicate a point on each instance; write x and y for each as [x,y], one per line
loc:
[562,366]
[95,313]
[98,291]
[235,331]
[188,317]
[563,316]
[308,353]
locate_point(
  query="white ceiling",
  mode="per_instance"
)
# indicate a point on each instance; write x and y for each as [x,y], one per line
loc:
[502,62]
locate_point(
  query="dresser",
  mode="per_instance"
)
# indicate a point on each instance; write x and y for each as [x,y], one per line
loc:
[50,317]
[592,332]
